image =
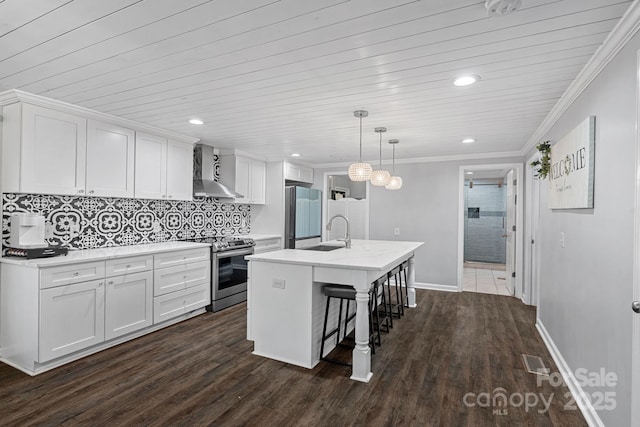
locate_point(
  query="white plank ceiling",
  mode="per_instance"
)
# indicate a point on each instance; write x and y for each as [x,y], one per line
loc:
[276,77]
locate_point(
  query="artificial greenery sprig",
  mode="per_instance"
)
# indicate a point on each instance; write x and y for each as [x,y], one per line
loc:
[543,165]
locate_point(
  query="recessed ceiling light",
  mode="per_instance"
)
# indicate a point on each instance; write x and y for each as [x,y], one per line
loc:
[196,122]
[466,80]
[468,140]
[295,155]
[469,172]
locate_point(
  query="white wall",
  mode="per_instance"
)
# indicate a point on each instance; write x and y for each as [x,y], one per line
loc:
[425,209]
[586,287]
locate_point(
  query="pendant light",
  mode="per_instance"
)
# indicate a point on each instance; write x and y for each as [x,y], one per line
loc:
[380,177]
[360,171]
[395,183]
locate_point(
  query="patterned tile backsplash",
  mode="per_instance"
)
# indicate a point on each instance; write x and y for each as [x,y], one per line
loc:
[103,222]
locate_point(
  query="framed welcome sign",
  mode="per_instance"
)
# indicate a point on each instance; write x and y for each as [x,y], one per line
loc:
[572,168]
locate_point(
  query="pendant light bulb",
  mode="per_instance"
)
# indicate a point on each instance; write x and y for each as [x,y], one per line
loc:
[360,171]
[395,182]
[380,177]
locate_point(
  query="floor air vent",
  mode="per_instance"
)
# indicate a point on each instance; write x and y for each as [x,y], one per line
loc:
[534,365]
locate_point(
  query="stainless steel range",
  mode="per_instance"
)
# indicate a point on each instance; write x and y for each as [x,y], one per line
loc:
[228,270]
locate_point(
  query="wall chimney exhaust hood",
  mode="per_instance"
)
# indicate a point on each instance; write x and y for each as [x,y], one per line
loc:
[204,184]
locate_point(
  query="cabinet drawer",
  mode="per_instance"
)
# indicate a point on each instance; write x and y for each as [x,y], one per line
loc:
[177,303]
[170,259]
[179,277]
[116,267]
[267,245]
[72,273]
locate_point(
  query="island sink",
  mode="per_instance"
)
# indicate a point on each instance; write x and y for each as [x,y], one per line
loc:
[323,248]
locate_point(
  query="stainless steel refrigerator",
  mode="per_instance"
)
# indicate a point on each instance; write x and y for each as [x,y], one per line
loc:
[303,216]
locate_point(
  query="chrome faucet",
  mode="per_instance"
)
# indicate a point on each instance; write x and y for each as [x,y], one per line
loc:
[347,237]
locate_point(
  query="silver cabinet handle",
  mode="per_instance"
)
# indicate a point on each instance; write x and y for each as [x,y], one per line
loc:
[100,284]
[77,273]
[91,191]
[170,196]
[80,191]
[635,306]
[110,282]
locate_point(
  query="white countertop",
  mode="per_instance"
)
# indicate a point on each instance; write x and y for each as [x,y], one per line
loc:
[87,255]
[257,237]
[363,255]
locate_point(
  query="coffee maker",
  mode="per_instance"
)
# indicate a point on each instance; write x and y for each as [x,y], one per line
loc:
[27,231]
[27,239]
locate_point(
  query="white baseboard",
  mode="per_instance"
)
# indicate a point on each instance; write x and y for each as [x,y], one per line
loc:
[589,413]
[434,287]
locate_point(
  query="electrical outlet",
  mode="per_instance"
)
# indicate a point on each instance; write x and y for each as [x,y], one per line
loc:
[278,283]
[561,239]
[396,231]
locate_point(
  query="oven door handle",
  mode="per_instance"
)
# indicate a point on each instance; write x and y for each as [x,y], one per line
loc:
[236,252]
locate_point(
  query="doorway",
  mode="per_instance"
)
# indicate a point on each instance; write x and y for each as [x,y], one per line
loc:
[485,224]
[348,198]
[490,229]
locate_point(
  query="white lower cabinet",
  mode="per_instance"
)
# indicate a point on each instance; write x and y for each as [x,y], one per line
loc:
[50,316]
[71,318]
[180,277]
[183,285]
[174,304]
[129,304]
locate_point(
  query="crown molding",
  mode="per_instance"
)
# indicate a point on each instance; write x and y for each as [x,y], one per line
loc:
[626,28]
[433,159]
[14,95]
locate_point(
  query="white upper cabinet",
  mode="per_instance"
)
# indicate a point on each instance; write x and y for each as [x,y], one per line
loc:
[49,147]
[151,166]
[179,170]
[110,160]
[298,173]
[246,176]
[164,168]
[52,154]
[258,182]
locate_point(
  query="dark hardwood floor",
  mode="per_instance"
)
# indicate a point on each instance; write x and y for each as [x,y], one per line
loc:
[202,372]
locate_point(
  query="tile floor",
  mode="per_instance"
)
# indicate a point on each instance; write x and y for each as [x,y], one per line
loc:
[485,278]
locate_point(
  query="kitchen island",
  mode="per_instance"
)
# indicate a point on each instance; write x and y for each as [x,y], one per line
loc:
[286,305]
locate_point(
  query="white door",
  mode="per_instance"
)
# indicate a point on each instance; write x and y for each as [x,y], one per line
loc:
[635,304]
[179,170]
[71,318]
[534,212]
[150,180]
[110,160]
[128,303]
[53,152]
[510,231]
